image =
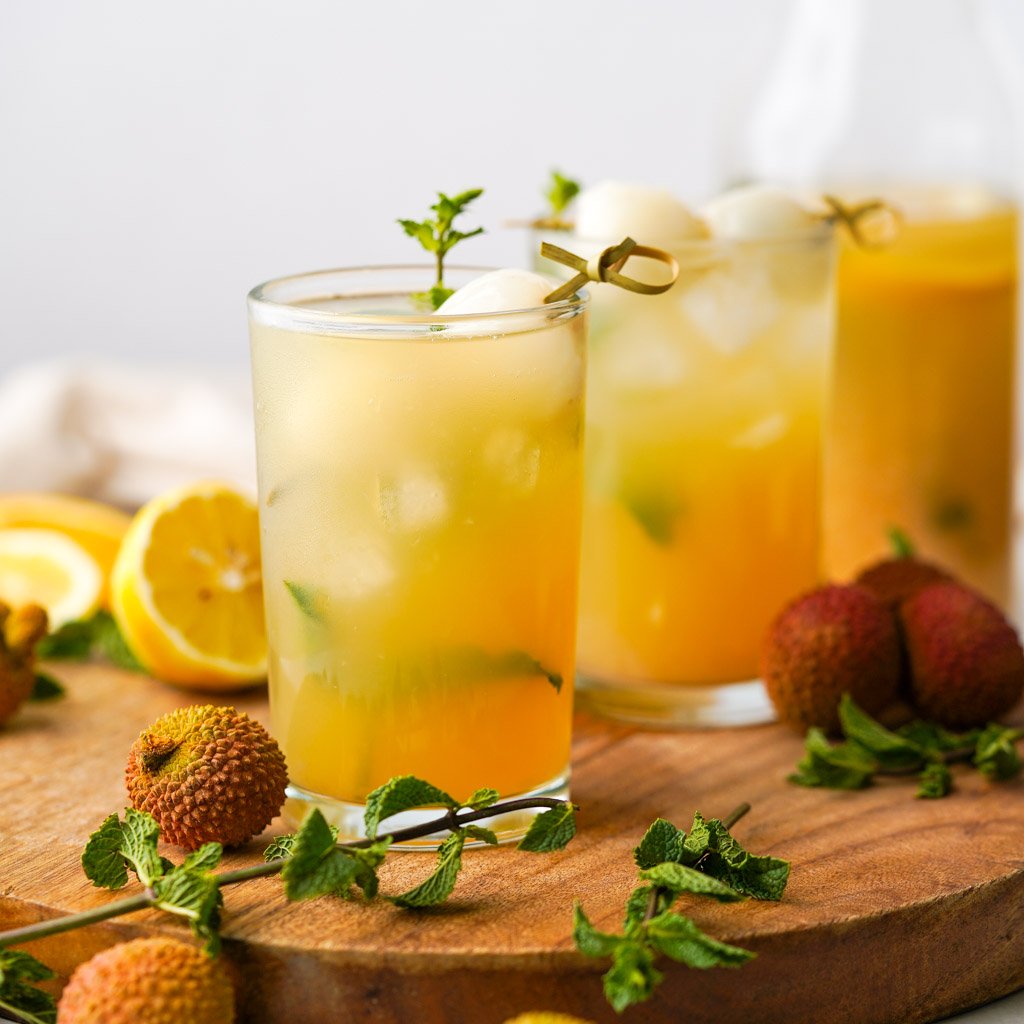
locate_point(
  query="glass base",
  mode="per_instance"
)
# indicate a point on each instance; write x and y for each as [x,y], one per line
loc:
[677,705]
[348,817]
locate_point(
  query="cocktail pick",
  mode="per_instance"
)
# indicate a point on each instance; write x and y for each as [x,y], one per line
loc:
[872,224]
[606,267]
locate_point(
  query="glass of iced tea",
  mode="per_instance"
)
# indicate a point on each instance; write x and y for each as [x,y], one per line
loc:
[419,486]
[702,494]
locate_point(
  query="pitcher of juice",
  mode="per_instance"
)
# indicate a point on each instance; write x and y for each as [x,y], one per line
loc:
[903,99]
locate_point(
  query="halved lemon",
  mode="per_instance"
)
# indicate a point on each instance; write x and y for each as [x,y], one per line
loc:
[48,568]
[98,528]
[186,589]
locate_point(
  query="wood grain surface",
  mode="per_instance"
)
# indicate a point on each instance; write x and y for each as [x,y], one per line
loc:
[898,910]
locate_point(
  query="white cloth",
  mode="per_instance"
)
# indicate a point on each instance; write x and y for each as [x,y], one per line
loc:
[122,434]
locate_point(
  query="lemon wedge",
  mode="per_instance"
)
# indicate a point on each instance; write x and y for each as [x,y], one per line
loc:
[96,527]
[50,569]
[186,588]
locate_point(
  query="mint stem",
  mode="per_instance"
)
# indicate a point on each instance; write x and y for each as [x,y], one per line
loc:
[658,893]
[449,821]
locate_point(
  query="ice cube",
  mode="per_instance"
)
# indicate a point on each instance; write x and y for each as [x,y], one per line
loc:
[416,500]
[514,458]
[732,306]
[763,433]
[356,567]
[611,210]
[758,212]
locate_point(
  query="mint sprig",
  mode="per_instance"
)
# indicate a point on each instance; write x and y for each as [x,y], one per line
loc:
[311,862]
[81,639]
[920,748]
[18,995]
[437,235]
[708,862]
[560,192]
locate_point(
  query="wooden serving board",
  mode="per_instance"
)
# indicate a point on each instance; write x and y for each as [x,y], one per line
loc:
[898,910]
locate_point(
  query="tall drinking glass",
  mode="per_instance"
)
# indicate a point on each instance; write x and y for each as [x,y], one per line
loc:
[703,476]
[419,489]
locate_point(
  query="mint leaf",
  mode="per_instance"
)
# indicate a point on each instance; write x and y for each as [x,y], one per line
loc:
[661,842]
[312,603]
[483,798]
[72,641]
[319,867]
[117,845]
[632,978]
[191,891]
[900,542]
[45,688]
[636,907]
[996,752]
[560,192]
[483,834]
[655,512]
[935,781]
[206,858]
[281,847]
[82,638]
[681,940]
[842,766]
[932,739]
[551,830]
[438,887]
[589,941]
[722,857]
[18,996]
[402,793]
[438,236]
[889,749]
[679,879]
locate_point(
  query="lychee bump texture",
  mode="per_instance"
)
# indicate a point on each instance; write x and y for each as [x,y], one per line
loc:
[207,774]
[148,981]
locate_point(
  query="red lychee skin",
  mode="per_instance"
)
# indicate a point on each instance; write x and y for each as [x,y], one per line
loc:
[831,641]
[965,660]
[894,580]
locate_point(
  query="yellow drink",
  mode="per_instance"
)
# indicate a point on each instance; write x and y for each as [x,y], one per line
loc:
[921,436]
[701,511]
[419,506]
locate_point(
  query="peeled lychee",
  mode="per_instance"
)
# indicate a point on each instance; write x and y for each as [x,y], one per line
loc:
[20,631]
[966,662]
[148,981]
[893,580]
[207,774]
[831,641]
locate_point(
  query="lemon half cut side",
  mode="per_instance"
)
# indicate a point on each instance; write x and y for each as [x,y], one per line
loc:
[46,567]
[186,588]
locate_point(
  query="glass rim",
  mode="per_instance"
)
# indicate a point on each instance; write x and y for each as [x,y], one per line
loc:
[260,298]
[683,248]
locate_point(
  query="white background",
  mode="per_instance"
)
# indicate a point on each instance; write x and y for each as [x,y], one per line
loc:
[158,160]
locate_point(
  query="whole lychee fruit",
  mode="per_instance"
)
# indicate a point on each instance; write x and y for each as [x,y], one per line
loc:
[207,774]
[966,662]
[20,631]
[831,641]
[148,981]
[893,580]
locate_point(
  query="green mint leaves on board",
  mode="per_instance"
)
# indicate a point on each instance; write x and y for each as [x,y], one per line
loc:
[438,236]
[560,192]
[80,639]
[45,687]
[18,995]
[311,862]
[709,863]
[919,748]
